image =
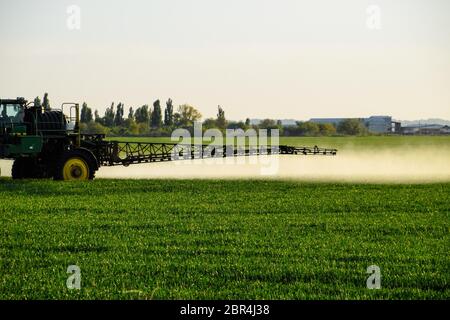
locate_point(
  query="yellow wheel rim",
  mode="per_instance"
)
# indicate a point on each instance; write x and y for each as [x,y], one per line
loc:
[75,169]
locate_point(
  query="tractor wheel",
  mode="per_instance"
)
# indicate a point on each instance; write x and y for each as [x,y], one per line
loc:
[23,168]
[75,165]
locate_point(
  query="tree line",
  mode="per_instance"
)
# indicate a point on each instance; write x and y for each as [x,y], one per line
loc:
[157,121]
[145,120]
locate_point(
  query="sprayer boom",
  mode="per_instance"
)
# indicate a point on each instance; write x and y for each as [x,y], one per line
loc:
[111,153]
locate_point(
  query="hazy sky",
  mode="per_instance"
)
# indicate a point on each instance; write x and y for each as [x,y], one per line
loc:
[257,58]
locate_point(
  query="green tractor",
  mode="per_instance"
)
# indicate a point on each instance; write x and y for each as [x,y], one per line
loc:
[44,143]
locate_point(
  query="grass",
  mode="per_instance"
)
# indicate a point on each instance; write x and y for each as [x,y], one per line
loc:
[209,239]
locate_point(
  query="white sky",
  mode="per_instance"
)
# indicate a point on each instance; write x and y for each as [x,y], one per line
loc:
[257,58]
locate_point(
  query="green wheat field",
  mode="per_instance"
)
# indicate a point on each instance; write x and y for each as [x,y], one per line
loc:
[224,239]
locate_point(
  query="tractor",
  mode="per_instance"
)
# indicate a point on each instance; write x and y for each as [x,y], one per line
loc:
[49,144]
[44,143]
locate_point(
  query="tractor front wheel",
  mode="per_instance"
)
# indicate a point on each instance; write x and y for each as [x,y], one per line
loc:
[74,165]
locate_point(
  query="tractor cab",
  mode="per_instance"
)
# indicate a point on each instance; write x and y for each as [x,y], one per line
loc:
[16,130]
[12,113]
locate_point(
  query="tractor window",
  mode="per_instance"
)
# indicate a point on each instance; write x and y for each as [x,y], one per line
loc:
[11,112]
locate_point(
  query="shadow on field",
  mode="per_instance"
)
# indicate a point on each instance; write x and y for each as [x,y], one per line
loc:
[94,188]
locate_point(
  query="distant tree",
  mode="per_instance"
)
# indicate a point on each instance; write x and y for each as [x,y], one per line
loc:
[86,113]
[237,125]
[168,113]
[143,128]
[156,119]
[268,124]
[247,121]
[327,129]
[221,122]
[109,116]
[130,124]
[93,128]
[141,114]
[351,127]
[130,113]
[46,102]
[97,117]
[291,131]
[132,127]
[308,128]
[118,118]
[83,113]
[188,114]
[89,116]
[177,119]
[209,123]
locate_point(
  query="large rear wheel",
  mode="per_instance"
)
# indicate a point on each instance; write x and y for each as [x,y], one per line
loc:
[75,165]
